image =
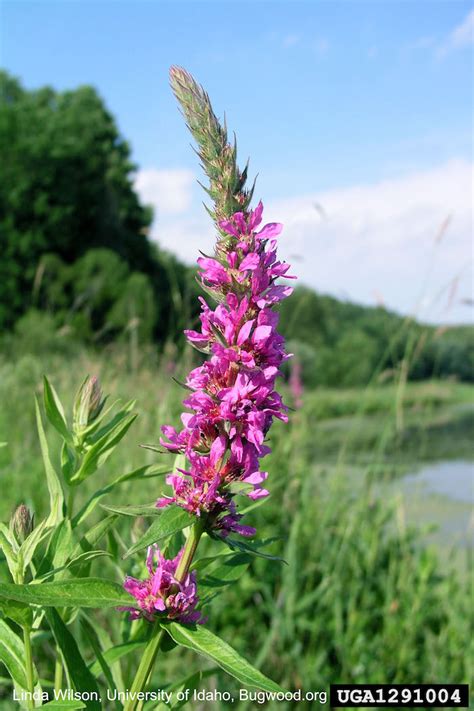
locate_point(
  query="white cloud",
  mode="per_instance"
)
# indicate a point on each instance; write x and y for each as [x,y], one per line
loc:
[169,191]
[367,242]
[461,36]
[364,240]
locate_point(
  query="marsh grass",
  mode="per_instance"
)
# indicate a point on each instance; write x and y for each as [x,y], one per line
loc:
[361,599]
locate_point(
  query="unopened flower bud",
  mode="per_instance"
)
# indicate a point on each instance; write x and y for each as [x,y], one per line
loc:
[89,402]
[22,523]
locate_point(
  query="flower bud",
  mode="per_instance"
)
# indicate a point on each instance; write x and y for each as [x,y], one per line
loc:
[22,523]
[89,402]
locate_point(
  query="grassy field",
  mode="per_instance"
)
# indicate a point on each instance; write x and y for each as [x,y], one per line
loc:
[362,598]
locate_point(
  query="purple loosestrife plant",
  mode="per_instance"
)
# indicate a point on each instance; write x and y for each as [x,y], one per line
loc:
[233,398]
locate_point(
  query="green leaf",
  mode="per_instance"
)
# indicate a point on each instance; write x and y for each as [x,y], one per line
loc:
[101,450]
[12,654]
[172,520]
[227,571]
[93,536]
[95,644]
[17,611]
[245,547]
[60,548]
[64,705]
[78,671]
[9,548]
[29,546]
[142,510]
[202,641]
[112,424]
[56,496]
[54,410]
[68,462]
[105,642]
[86,592]
[115,653]
[71,564]
[146,472]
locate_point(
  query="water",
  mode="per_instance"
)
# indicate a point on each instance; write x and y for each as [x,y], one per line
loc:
[453,479]
[442,493]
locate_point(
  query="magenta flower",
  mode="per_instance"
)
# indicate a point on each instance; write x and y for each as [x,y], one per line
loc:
[161,594]
[233,400]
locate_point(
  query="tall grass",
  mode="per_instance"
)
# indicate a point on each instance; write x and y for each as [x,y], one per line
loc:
[359,598]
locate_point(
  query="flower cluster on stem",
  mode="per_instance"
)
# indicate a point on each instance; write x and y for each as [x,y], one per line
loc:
[233,399]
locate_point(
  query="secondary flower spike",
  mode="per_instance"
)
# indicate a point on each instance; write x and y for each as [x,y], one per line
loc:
[161,594]
[233,400]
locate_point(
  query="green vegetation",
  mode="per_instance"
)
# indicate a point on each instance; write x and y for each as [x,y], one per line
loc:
[363,598]
[73,232]
[364,595]
[78,267]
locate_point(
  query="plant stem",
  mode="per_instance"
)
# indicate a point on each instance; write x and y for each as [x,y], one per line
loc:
[58,673]
[151,650]
[145,667]
[70,501]
[29,666]
[190,549]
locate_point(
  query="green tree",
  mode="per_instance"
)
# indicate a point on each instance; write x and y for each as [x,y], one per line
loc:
[66,188]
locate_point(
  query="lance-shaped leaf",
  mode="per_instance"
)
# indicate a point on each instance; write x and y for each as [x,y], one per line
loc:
[19,612]
[95,644]
[228,570]
[115,653]
[78,671]
[56,496]
[172,520]
[204,642]
[101,450]
[105,642]
[9,547]
[72,565]
[94,535]
[28,547]
[147,472]
[141,510]
[54,410]
[12,654]
[254,549]
[85,592]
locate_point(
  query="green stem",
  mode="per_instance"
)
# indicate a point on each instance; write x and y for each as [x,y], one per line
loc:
[190,549]
[145,667]
[70,501]
[29,666]
[58,673]
[151,650]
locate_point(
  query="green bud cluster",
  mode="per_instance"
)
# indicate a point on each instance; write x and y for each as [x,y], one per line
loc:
[218,156]
[22,523]
[89,403]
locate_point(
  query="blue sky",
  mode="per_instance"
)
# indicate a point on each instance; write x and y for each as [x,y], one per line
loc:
[362,107]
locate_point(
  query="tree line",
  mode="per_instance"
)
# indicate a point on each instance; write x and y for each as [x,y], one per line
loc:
[75,249]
